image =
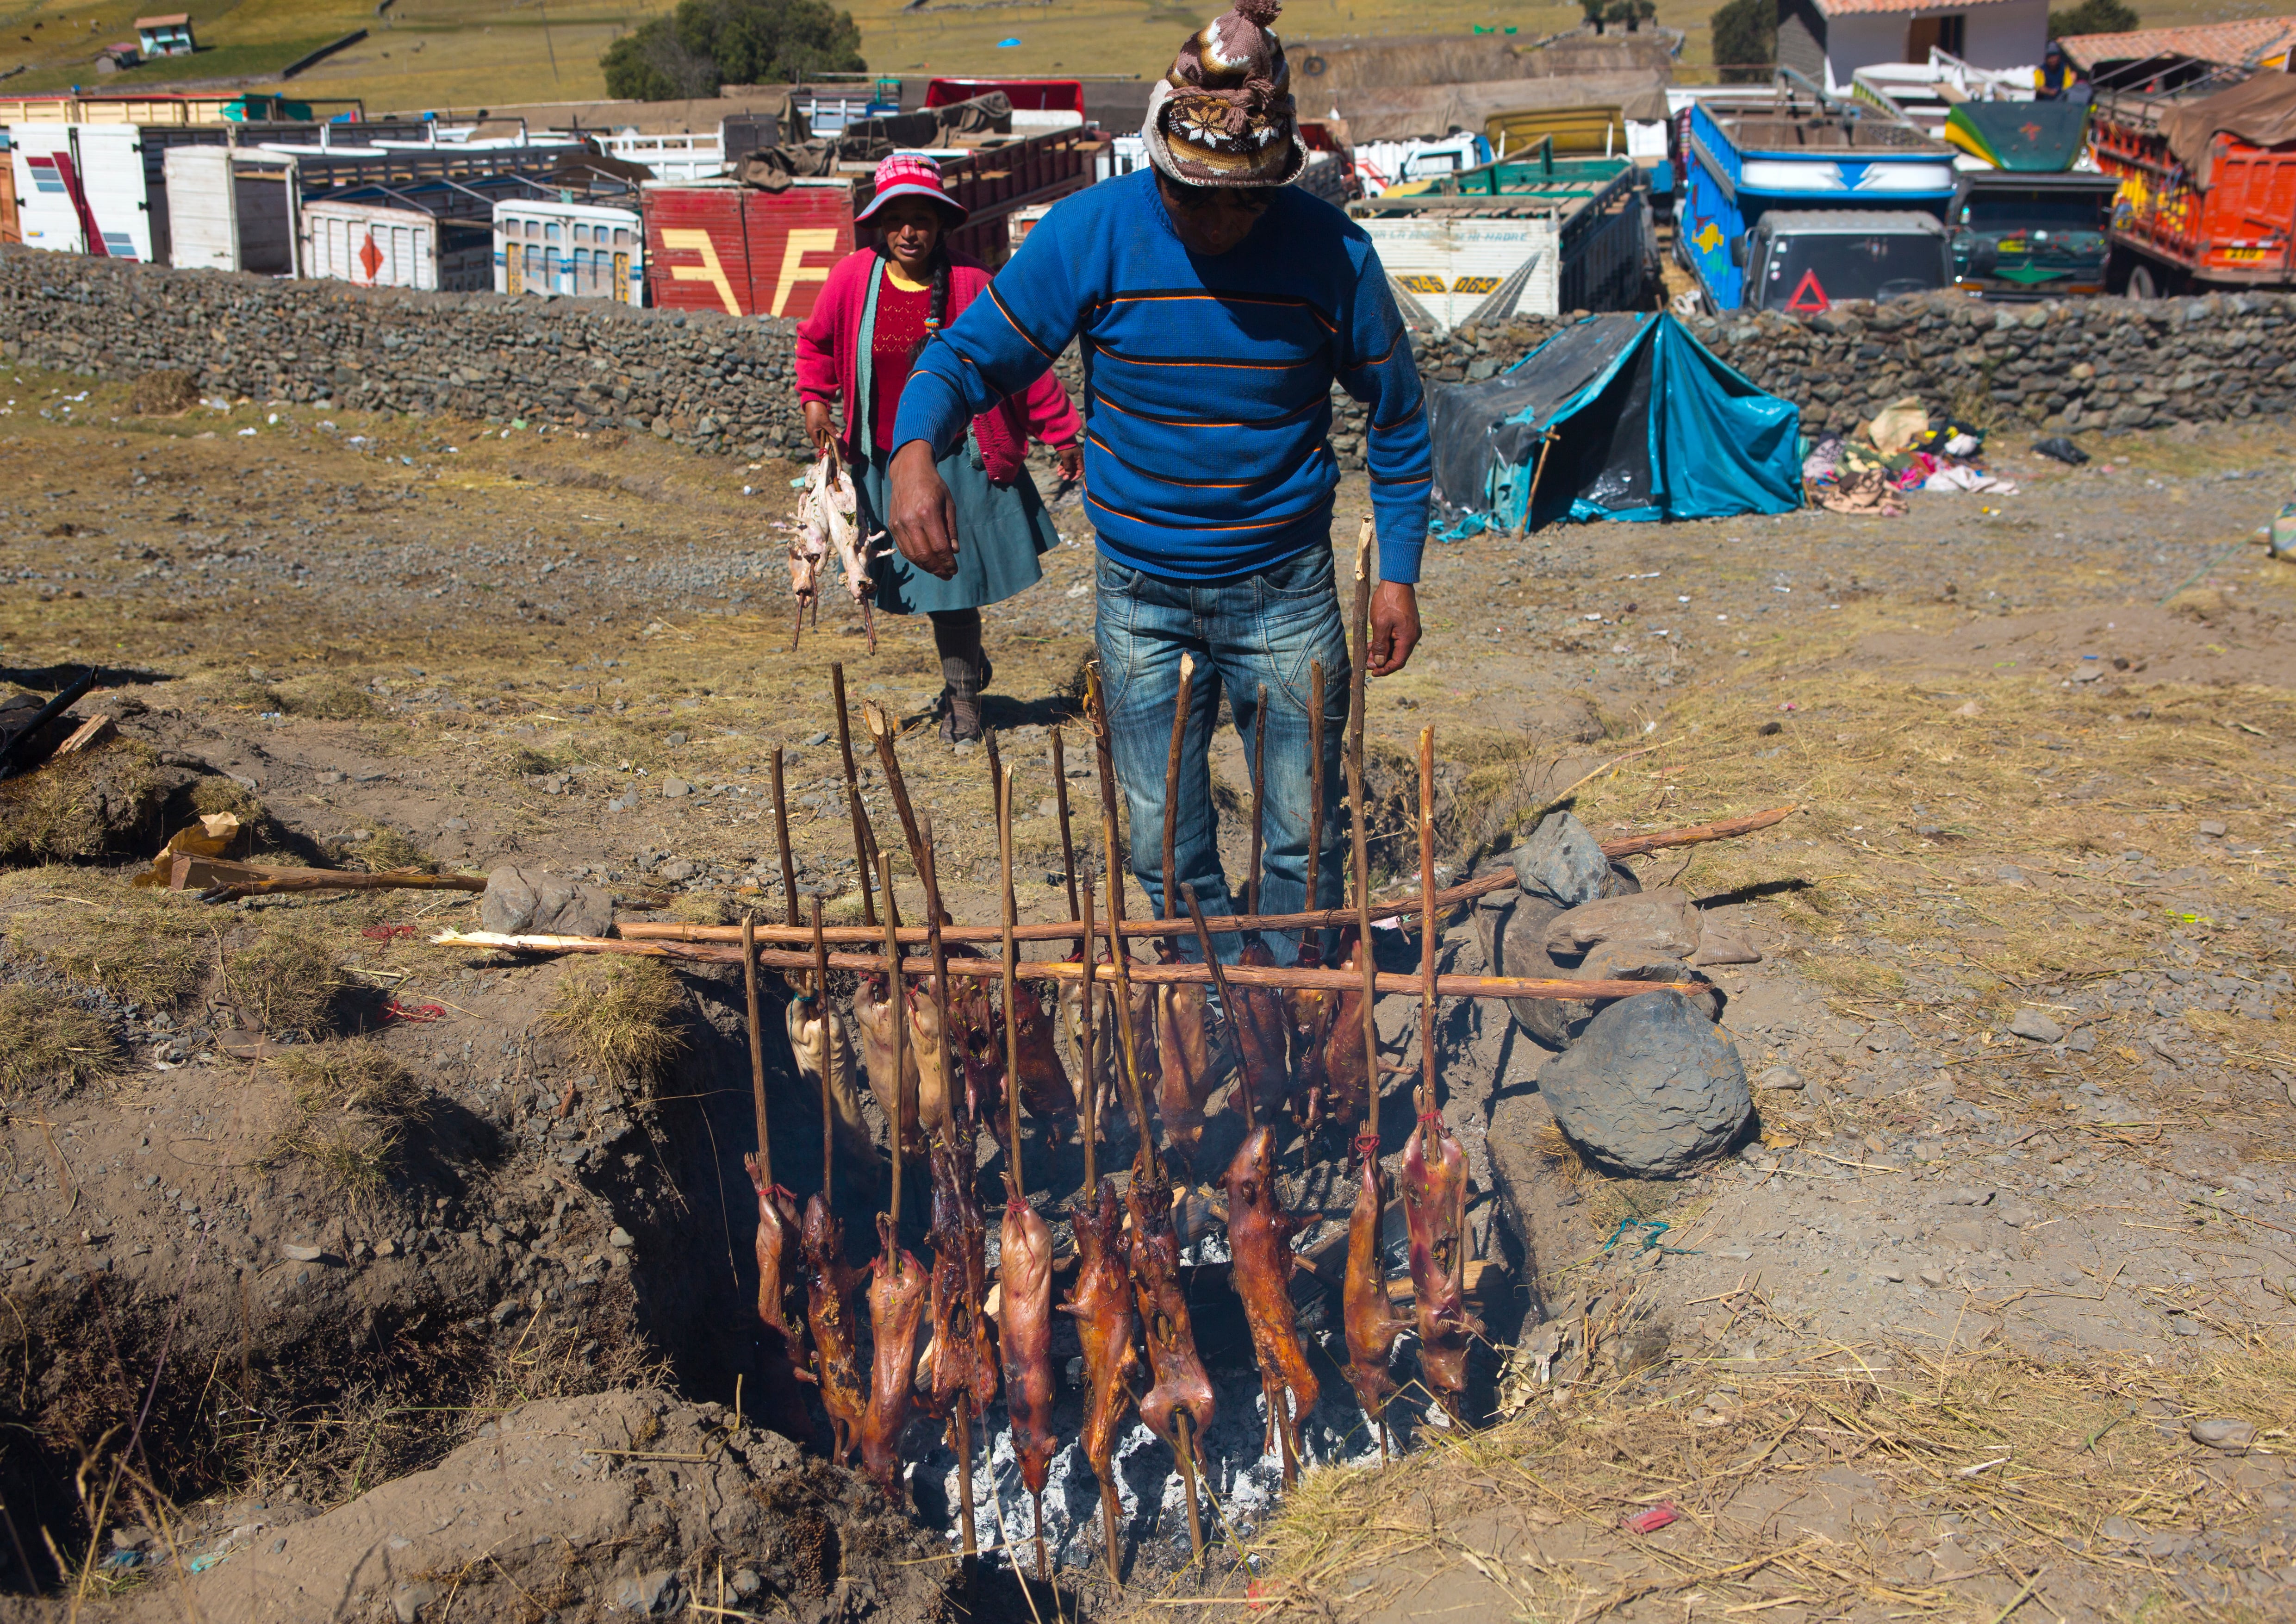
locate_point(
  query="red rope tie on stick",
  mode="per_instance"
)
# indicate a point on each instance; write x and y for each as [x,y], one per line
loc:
[1367,1147]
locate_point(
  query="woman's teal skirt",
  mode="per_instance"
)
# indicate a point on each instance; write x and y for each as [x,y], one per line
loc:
[1000,531]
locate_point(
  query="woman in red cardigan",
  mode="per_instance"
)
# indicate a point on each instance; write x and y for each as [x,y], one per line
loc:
[876,312]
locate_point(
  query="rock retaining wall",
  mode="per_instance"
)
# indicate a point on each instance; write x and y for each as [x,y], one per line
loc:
[725,386]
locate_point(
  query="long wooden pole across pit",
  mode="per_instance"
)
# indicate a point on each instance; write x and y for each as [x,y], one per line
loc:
[1449,897]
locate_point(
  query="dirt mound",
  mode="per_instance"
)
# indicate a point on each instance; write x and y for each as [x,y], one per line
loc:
[619,1504]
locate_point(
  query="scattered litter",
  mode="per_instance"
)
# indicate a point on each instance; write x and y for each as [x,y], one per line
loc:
[2057,449]
[1650,1521]
[396,1011]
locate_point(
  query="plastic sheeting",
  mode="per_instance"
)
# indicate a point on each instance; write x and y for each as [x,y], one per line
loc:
[1636,420]
[2260,111]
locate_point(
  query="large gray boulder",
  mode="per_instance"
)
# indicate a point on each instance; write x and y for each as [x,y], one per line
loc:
[1560,861]
[1514,926]
[1656,924]
[534,902]
[1651,1087]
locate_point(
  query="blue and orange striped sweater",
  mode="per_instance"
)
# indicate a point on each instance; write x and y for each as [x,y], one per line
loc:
[1207,382]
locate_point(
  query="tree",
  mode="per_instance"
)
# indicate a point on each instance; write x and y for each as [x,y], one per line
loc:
[1745,35]
[2094,17]
[708,42]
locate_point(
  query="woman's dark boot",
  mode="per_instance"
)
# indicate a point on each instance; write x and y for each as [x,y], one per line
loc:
[964,672]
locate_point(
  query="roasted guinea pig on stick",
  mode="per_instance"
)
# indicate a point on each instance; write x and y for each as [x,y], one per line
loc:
[1184,1064]
[874,1014]
[1435,1205]
[896,1303]
[1102,1308]
[778,1226]
[1262,1033]
[854,1143]
[1259,1240]
[831,1284]
[1343,1050]
[1181,1385]
[964,1354]
[1044,1087]
[1024,1271]
[1312,1011]
[1368,1317]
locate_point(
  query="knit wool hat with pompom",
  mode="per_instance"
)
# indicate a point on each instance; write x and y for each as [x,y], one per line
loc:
[1223,116]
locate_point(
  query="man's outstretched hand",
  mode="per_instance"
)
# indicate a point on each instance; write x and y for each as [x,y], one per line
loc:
[1394,624]
[925,516]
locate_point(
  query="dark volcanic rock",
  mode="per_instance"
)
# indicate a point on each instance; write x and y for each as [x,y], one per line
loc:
[1650,1087]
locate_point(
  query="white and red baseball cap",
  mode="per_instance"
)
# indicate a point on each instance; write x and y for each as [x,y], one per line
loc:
[911,174]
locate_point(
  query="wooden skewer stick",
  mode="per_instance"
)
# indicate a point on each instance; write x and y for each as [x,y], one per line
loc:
[1135,1100]
[1449,897]
[1360,648]
[937,963]
[1315,780]
[781,842]
[1014,1182]
[1068,843]
[864,842]
[1170,883]
[960,1439]
[821,1011]
[1090,1100]
[1259,801]
[1227,1002]
[995,774]
[880,732]
[1183,1437]
[757,1050]
[1185,972]
[900,1020]
[1427,929]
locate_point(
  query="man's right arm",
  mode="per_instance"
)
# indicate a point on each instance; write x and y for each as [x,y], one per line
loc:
[1002,342]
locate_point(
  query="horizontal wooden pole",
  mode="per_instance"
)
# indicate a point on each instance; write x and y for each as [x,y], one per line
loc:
[1185,972]
[1323,919]
[188,871]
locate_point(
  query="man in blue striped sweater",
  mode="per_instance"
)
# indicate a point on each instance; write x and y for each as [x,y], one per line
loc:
[1216,305]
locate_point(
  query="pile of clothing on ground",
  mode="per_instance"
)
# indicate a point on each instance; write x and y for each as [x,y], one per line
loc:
[1900,450]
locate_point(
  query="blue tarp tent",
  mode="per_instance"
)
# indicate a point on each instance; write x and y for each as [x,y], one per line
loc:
[1635,419]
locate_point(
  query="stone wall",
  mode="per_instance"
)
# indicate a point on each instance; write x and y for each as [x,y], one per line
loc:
[725,386]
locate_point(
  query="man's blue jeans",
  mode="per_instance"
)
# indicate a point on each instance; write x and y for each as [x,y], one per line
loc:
[1267,628]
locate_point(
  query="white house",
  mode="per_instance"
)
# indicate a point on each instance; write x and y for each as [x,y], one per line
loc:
[1828,40]
[169,36]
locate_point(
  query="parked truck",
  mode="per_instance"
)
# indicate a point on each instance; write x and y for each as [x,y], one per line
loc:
[2199,202]
[1533,234]
[1764,175]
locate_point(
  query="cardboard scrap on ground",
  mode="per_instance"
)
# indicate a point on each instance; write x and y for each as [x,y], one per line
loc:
[210,837]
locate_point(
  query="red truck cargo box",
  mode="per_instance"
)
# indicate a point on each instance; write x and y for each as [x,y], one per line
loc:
[1027,95]
[718,245]
[2242,228]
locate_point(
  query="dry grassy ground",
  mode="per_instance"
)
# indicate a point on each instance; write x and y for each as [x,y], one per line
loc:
[400,640]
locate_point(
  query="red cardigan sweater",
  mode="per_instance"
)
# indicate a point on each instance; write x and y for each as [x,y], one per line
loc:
[826,371]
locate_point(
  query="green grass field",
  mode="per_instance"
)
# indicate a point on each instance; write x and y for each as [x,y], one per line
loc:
[475,53]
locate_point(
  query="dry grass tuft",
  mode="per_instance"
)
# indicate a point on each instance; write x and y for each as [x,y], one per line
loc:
[162,393]
[327,699]
[389,851]
[706,908]
[150,947]
[355,1076]
[47,1041]
[351,1105]
[218,793]
[81,805]
[287,979]
[621,1015]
